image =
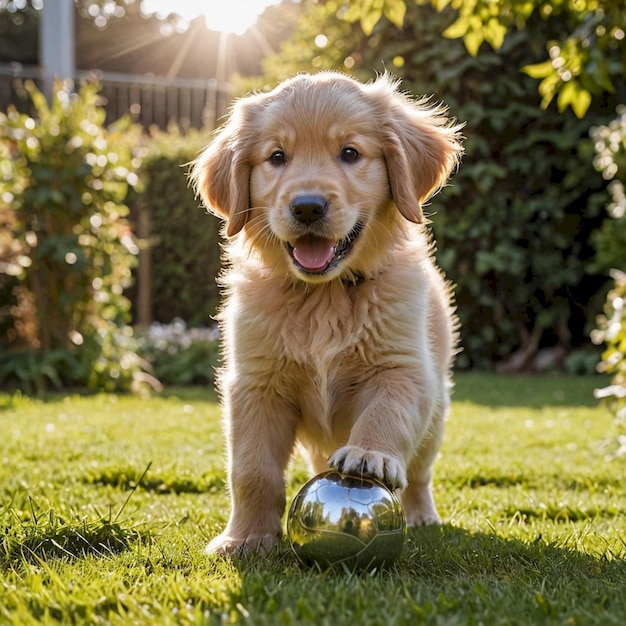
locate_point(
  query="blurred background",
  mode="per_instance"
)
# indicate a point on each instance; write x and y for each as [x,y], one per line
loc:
[108,264]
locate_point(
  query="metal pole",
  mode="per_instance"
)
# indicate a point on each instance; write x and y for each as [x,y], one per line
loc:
[56,43]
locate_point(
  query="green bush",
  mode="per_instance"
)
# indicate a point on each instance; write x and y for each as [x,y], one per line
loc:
[184,240]
[180,355]
[66,250]
[612,332]
[610,145]
[513,228]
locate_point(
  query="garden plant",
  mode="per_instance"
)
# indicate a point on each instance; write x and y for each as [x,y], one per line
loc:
[66,247]
[610,241]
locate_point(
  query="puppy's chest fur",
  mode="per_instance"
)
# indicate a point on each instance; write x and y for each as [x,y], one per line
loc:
[311,345]
[312,327]
[317,346]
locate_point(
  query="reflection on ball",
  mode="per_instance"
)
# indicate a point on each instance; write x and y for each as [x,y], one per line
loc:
[337,519]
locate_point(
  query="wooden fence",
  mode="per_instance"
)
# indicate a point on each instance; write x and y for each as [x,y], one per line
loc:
[151,99]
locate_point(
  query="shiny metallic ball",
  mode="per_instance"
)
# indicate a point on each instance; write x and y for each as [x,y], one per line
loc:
[336,519]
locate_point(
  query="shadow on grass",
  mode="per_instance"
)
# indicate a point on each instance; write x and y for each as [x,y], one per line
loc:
[127,478]
[449,553]
[55,537]
[10,399]
[198,393]
[536,391]
[482,388]
[444,574]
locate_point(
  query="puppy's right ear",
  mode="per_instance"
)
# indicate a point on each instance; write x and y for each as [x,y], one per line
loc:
[421,145]
[221,176]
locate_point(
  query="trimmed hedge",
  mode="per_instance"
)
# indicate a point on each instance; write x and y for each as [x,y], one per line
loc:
[184,239]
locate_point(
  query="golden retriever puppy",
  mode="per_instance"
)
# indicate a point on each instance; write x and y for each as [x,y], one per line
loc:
[338,330]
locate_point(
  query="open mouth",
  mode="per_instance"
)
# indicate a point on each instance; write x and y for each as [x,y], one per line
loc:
[317,255]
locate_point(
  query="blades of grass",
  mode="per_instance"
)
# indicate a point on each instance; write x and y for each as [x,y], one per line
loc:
[32,510]
[132,491]
[63,550]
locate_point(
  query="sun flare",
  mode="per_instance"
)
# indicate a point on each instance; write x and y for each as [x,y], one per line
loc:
[232,16]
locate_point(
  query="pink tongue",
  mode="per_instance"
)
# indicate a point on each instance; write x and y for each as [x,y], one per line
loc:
[314,254]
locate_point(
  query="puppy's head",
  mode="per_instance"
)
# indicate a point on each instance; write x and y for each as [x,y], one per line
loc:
[317,174]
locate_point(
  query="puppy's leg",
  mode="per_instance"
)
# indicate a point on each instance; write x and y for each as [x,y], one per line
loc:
[417,499]
[397,408]
[260,440]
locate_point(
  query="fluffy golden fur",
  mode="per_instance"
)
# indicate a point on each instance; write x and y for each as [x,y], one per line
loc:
[338,330]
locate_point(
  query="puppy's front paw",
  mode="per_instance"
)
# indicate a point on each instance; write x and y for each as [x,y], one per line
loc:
[361,462]
[227,545]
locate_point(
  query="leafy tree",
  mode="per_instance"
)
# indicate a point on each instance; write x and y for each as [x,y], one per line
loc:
[585,61]
[66,251]
[117,36]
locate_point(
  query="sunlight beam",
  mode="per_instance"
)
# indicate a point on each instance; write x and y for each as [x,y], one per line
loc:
[234,16]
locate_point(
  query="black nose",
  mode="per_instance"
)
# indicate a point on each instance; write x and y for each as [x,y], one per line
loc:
[308,208]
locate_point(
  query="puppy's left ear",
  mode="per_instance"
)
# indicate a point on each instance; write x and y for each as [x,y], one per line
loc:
[221,174]
[421,147]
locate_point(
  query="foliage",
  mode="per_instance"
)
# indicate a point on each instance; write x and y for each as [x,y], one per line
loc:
[612,332]
[531,495]
[610,241]
[183,240]
[513,227]
[584,61]
[610,145]
[368,12]
[180,355]
[67,250]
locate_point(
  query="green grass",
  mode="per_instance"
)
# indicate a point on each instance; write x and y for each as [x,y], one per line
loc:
[532,498]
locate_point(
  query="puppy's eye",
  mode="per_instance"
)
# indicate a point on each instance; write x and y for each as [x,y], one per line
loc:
[350,155]
[277,157]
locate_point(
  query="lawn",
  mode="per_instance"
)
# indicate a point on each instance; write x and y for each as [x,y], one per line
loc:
[107,502]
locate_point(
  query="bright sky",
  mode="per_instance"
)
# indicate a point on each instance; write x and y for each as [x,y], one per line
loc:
[231,16]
